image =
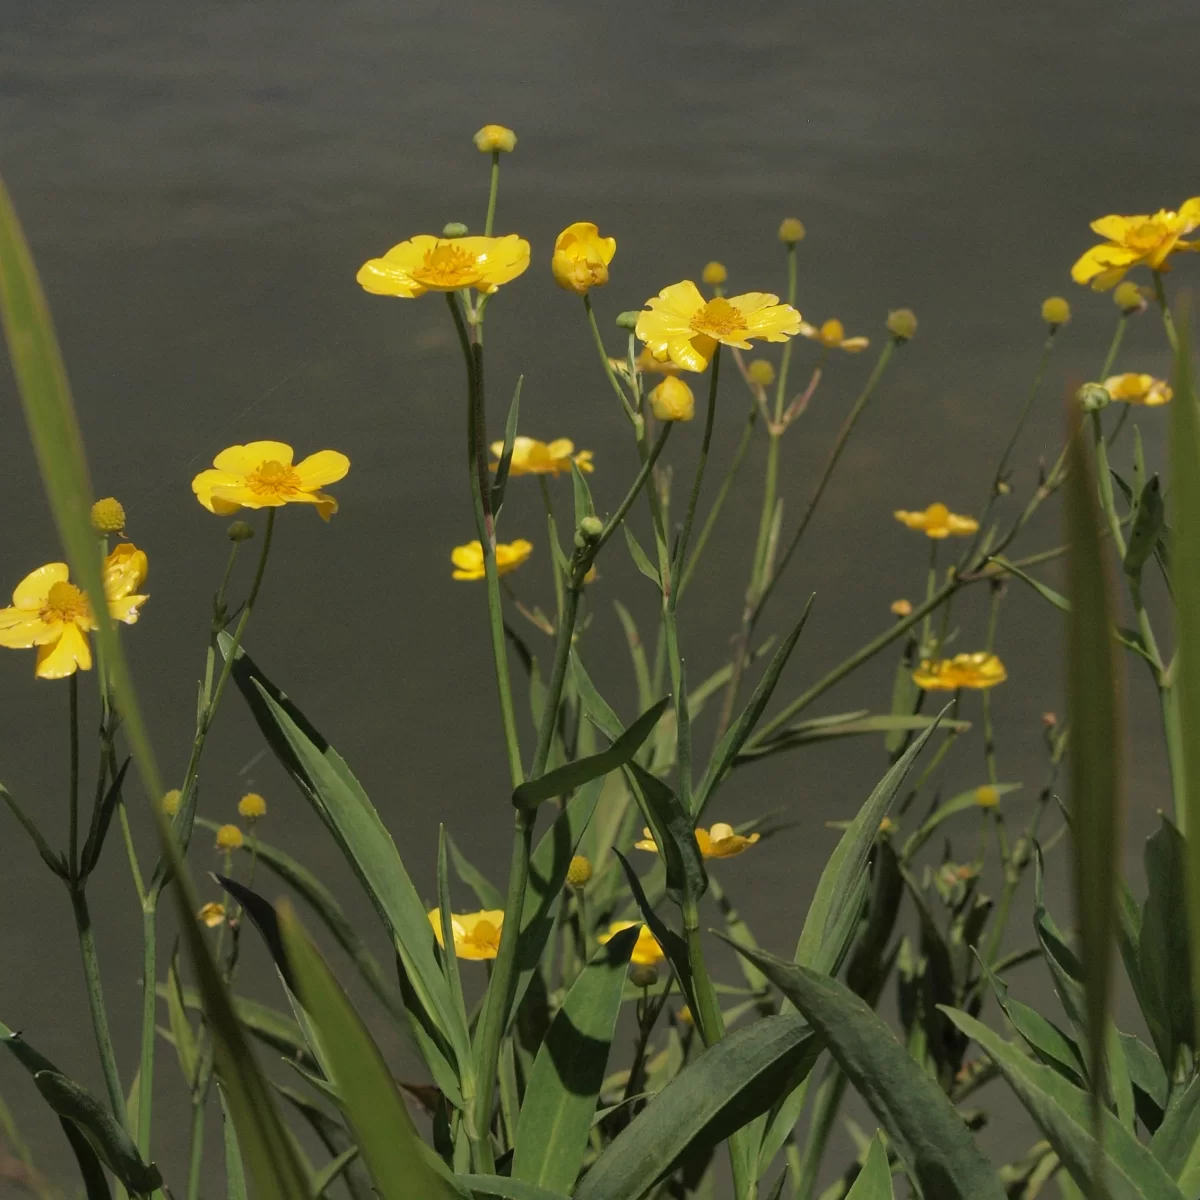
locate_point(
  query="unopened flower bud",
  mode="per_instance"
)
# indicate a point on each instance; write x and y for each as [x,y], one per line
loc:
[902,324]
[643,976]
[579,871]
[628,320]
[1049,719]
[1093,397]
[170,802]
[887,826]
[591,528]
[901,608]
[1055,311]
[714,273]
[673,400]
[239,531]
[229,837]
[791,231]
[1129,298]
[252,806]
[108,516]
[987,796]
[684,1016]
[493,138]
[761,372]
[453,229]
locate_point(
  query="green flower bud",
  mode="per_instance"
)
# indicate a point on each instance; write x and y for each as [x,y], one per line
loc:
[643,976]
[454,229]
[902,324]
[239,531]
[1093,397]
[628,320]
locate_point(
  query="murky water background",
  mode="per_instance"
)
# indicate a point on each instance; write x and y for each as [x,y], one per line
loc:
[200,186]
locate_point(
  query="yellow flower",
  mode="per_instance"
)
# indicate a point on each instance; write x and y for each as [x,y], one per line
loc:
[229,837]
[108,515]
[887,826]
[791,231]
[718,842]
[432,264]
[170,802]
[673,400]
[1055,311]
[496,137]
[468,559]
[476,935]
[646,950]
[833,335]
[1134,388]
[51,613]
[212,914]
[252,806]
[581,257]
[579,871]
[901,607]
[987,796]
[261,475]
[761,371]
[681,325]
[646,363]
[978,670]
[937,521]
[1136,241]
[714,274]
[531,457]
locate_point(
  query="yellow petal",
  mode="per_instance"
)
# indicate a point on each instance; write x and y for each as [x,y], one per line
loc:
[126,608]
[321,469]
[125,571]
[241,460]
[205,485]
[32,591]
[70,653]
[20,629]
[383,278]
[855,344]
[1114,227]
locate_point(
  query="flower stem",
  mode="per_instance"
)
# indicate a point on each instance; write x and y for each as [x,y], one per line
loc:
[608,367]
[149,1002]
[1168,321]
[73,793]
[685,536]
[493,188]
[552,533]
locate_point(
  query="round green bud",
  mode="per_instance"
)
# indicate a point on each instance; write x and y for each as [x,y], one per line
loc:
[628,320]
[1093,397]
[108,516]
[454,229]
[902,324]
[1129,298]
[791,231]
[643,976]
[239,531]
[579,872]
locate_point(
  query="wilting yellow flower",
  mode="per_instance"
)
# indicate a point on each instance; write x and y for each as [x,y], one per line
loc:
[108,515]
[791,231]
[468,559]
[1129,298]
[229,837]
[833,335]
[170,802]
[978,670]
[718,842]
[51,613]
[212,914]
[476,935]
[432,264]
[252,806]
[901,607]
[581,257]
[1136,241]
[646,363]
[1055,311]
[673,400]
[714,274]
[496,137]
[646,950]
[937,521]
[579,870]
[531,457]
[681,325]
[761,372]
[987,796]
[262,475]
[1134,388]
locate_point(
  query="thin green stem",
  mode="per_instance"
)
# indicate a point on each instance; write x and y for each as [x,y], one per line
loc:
[930,587]
[196,1153]
[1160,295]
[693,499]
[785,361]
[614,522]
[493,189]
[767,515]
[149,1003]
[614,382]
[555,546]
[73,793]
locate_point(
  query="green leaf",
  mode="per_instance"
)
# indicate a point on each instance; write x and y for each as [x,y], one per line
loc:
[270,1026]
[673,834]
[921,1122]
[641,559]
[567,778]
[1064,1114]
[500,482]
[594,705]
[1176,1144]
[1147,528]
[101,819]
[560,1097]
[181,1027]
[51,858]
[1147,1077]
[582,493]
[637,652]
[330,1172]
[724,1087]
[824,729]
[235,1173]
[507,1189]
[384,1131]
[963,802]
[874,1181]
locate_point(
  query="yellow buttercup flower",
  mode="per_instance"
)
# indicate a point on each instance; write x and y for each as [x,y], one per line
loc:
[987,796]
[978,670]
[681,325]
[714,274]
[492,138]
[1136,241]
[646,363]
[646,950]
[531,457]
[581,258]
[673,400]
[718,842]
[468,559]
[262,475]
[937,521]
[476,935]
[212,914]
[252,806]
[433,264]
[1134,388]
[48,611]
[229,837]
[833,336]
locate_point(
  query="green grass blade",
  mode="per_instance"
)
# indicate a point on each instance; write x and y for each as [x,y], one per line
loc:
[874,1181]
[235,1172]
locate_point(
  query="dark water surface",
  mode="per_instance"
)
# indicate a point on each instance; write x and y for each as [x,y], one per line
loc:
[200,185]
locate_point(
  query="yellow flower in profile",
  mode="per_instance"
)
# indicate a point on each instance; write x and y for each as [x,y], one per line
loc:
[476,935]
[493,138]
[647,364]
[1134,388]
[987,796]
[262,475]
[48,611]
[212,914]
[1136,241]
[229,837]
[978,670]
[531,457]
[718,842]
[468,559]
[714,274]
[673,400]
[252,806]
[832,335]
[433,264]
[581,258]
[646,950]
[937,521]
[681,325]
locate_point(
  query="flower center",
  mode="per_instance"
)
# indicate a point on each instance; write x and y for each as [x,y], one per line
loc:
[718,318]
[936,515]
[273,478]
[64,602]
[446,265]
[1148,235]
[484,934]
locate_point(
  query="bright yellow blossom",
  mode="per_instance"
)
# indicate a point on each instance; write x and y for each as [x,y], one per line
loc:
[1135,388]
[252,806]
[681,325]
[492,138]
[978,670]
[646,950]
[531,457]
[673,400]
[987,796]
[51,613]
[432,264]
[229,837]
[718,842]
[262,475]
[468,559]
[937,521]
[714,274]
[108,515]
[581,258]
[833,336]
[476,935]
[212,914]
[646,363]
[1136,241]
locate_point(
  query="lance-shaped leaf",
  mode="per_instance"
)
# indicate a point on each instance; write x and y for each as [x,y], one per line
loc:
[500,483]
[1176,1143]
[1147,527]
[673,835]
[102,816]
[824,729]
[507,1189]
[874,1181]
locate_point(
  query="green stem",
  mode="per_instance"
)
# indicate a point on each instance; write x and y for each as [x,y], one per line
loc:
[555,546]
[770,484]
[786,361]
[196,1153]
[685,536]
[493,188]
[73,793]
[1168,321]
[149,1002]
[614,522]
[614,382]
[926,648]
[825,1108]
